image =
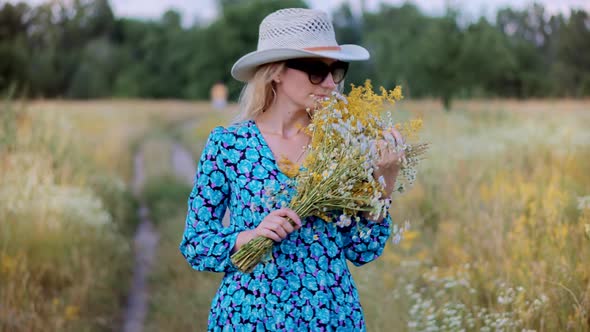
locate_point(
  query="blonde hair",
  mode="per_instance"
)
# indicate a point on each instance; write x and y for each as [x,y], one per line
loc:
[259,93]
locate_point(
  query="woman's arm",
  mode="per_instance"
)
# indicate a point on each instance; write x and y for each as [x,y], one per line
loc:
[387,168]
[206,244]
[365,239]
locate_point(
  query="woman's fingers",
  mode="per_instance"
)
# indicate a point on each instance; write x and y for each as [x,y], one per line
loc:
[269,234]
[399,139]
[381,146]
[393,137]
[287,226]
[279,224]
[388,155]
[389,140]
[277,227]
[272,231]
[292,215]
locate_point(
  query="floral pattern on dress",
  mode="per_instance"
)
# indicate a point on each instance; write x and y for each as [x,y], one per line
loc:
[305,284]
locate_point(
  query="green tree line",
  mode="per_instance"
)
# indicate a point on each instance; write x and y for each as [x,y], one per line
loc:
[79,49]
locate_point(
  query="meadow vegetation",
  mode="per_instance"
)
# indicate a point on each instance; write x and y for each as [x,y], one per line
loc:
[64,223]
[498,236]
[66,211]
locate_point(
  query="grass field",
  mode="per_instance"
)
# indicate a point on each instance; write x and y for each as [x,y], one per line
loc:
[66,212]
[498,237]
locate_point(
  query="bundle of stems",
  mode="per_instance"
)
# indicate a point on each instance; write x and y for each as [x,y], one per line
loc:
[317,196]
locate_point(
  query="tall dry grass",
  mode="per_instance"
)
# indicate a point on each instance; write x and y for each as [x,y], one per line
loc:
[498,238]
[111,129]
[66,212]
[62,249]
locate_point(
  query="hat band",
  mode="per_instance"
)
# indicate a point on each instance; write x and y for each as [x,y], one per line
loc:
[323,48]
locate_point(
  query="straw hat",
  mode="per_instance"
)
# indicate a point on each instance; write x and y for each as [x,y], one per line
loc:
[295,33]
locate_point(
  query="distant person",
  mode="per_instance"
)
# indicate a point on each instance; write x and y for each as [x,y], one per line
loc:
[219,95]
[305,285]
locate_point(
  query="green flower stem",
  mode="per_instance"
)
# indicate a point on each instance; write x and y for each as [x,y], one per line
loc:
[250,254]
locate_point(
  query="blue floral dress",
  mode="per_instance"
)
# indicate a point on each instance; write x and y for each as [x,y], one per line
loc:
[306,284]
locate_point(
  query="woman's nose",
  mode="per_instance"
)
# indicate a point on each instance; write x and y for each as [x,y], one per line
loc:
[328,82]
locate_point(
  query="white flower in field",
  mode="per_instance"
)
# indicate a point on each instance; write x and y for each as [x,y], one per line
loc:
[342,130]
[340,97]
[370,173]
[584,202]
[365,147]
[396,239]
[343,221]
[68,203]
[506,297]
[359,126]
[401,187]
[77,204]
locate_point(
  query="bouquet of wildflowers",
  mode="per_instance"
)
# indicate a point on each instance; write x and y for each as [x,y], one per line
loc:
[337,174]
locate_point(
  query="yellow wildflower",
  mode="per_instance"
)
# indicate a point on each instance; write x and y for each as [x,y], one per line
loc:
[288,167]
[71,312]
[8,264]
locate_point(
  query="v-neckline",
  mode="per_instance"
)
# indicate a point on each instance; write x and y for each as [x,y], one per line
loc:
[263,141]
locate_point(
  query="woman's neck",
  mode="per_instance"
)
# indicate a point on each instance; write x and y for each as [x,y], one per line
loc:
[282,120]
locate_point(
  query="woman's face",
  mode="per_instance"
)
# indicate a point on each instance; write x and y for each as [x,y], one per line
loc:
[295,85]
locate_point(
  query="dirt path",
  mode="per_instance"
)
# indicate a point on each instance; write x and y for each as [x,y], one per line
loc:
[146,237]
[183,163]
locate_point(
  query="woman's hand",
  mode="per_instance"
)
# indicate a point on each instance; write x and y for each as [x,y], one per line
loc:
[275,226]
[388,165]
[391,159]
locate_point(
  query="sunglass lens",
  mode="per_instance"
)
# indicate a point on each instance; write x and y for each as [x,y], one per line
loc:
[317,71]
[317,78]
[339,70]
[338,75]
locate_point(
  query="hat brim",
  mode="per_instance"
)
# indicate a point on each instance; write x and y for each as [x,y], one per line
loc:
[246,66]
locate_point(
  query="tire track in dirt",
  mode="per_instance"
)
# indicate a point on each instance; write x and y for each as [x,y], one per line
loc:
[145,243]
[146,238]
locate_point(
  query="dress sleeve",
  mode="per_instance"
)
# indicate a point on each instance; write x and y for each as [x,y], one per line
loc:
[365,239]
[206,243]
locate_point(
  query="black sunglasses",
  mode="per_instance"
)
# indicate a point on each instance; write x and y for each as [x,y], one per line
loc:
[319,70]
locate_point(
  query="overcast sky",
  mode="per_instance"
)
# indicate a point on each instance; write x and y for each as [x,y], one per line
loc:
[205,10]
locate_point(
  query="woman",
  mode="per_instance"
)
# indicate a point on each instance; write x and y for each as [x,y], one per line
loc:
[306,285]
